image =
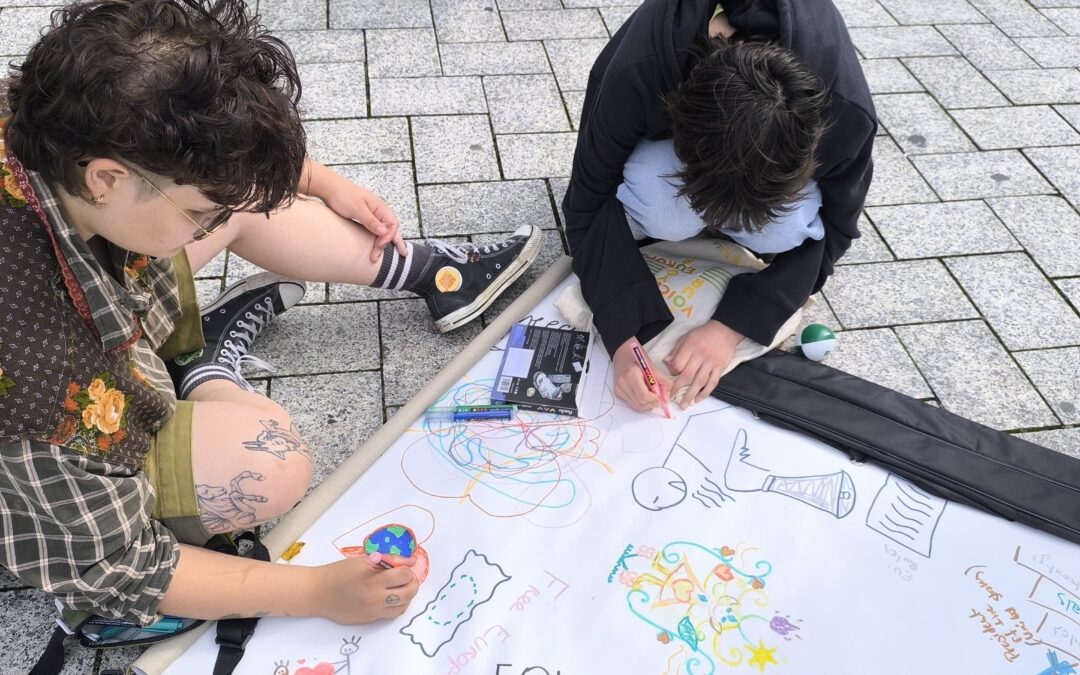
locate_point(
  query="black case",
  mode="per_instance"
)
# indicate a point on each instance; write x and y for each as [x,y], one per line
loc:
[942,452]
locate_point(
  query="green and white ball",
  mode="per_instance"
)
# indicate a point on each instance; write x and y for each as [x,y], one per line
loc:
[815,341]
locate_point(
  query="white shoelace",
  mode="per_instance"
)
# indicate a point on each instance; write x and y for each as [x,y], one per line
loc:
[236,353]
[460,252]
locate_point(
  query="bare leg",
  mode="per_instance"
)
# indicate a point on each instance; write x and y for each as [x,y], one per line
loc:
[304,241]
[249,463]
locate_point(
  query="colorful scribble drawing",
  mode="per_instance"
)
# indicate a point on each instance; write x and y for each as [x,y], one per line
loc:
[1055,599]
[906,514]
[534,467]
[709,605]
[471,583]
[1057,667]
[697,467]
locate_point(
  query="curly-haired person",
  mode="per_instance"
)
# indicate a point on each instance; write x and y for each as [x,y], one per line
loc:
[744,119]
[144,138]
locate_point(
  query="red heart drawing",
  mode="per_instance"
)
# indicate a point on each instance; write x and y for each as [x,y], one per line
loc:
[323,668]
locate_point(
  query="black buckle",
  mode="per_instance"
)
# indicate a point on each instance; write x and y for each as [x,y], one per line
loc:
[229,640]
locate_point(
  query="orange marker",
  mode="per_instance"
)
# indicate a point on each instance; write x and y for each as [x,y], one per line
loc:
[650,380]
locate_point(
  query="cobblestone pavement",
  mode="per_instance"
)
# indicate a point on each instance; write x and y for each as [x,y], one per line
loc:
[963,290]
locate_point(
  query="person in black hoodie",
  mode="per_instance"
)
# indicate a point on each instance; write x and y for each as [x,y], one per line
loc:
[765,105]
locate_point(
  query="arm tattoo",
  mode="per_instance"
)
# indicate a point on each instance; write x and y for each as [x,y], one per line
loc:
[227,509]
[276,440]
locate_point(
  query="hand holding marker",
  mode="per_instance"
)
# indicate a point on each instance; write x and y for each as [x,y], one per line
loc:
[650,380]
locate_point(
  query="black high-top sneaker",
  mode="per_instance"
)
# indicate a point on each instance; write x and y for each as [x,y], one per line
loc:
[469,277]
[230,325]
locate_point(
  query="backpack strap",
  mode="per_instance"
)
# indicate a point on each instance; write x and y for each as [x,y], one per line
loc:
[233,634]
[52,659]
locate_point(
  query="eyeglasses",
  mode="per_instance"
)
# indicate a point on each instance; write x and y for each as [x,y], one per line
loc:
[219,220]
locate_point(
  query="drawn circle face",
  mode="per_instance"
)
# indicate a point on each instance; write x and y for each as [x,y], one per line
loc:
[448,279]
[658,488]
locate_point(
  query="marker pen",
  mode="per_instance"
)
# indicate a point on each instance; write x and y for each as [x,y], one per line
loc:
[470,413]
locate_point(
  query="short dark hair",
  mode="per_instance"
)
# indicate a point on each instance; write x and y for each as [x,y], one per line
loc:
[746,121]
[192,90]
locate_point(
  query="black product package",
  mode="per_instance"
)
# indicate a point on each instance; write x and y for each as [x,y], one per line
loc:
[543,369]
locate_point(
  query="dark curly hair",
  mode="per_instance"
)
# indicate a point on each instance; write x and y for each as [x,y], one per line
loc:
[746,121]
[192,90]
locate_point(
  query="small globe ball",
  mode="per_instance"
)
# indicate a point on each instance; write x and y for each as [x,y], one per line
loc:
[815,341]
[391,540]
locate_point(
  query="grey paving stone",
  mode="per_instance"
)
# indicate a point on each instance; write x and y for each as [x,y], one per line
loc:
[572,59]
[919,124]
[29,619]
[402,52]
[454,149]
[939,11]
[1066,18]
[20,28]
[1071,289]
[1071,113]
[550,250]
[1053,52]
[536,155]
[877,42]
[1065,441]
[206,290]
[426,96]
[412,352]
[895,180]
[972,175]
[1054,3]
[485,207]
[324,46]
[316,339]
[1017,301]
[394,183]
[524,103]
[494,58]
[888,76]
[987,47]
[600,3]
[869,247]
[1061,166]
[358,141]
[467,21]
[890,293]
[575,102]
[214,268]
[1025,87]
[1049,229]
[948,228]
[859,13]
[955,82]
[877,355]
[552,24]
[973,376]
[380,14]
[9,581]
[558,191]
[333,90]
[293,14]
[1016,127]
[614,17]
[1016,18]
[334,413]
[511,5]
[1056,373]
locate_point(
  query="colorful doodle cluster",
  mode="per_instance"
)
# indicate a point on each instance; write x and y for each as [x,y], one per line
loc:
[710,605]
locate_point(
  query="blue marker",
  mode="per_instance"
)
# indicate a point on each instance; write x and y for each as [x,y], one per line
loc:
[471,413]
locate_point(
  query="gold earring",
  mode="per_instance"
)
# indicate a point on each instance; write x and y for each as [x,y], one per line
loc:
[98,201]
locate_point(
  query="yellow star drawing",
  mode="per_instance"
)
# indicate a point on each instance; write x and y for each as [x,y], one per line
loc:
[761,656]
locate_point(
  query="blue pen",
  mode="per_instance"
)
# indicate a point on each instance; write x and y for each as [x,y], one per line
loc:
[162,626]
[470,413]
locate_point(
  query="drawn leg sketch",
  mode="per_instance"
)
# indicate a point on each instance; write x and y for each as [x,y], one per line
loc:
[471,584]
[696,466]
[906,514]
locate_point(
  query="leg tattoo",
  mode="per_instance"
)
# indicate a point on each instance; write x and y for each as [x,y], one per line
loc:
[277,441]
[228,509]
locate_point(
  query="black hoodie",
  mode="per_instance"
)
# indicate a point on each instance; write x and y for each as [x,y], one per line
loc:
[648,57]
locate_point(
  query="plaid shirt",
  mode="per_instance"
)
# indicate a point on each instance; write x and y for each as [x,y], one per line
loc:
[74,521]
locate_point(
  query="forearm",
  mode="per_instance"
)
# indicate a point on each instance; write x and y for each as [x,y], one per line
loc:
[317,180]
[209,585]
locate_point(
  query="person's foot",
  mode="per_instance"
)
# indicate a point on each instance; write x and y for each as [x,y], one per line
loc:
[230,325]
[469,277]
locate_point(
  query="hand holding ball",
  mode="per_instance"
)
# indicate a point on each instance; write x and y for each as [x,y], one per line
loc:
[815,341]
